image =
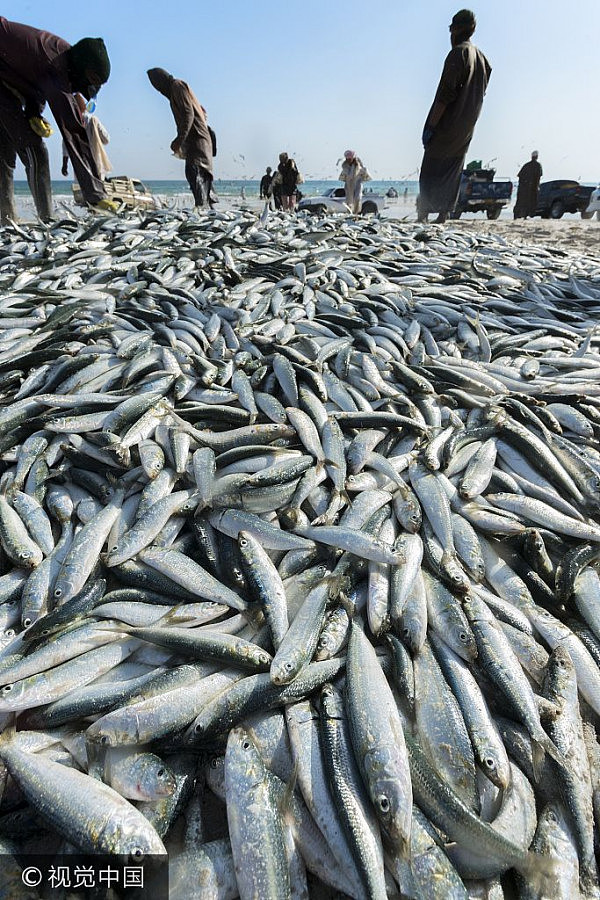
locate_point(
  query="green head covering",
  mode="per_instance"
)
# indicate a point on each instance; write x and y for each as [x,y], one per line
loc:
[89,66]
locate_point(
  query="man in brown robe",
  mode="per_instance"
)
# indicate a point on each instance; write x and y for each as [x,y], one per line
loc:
[37,67]
[451,120]
[527,192]
[193,142]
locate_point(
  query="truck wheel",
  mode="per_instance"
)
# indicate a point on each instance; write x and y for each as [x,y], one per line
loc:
[586,215]
[455,214]
[494,212]
[557,210]
[368,207]
[318,210]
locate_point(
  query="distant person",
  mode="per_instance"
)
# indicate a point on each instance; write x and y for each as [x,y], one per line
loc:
[392,193]
[527,192]
[290,179]
[276,181]
[451,120]
[265,184]
[97,136]
[405,193]
[353,174]
[194,141]
[37,67]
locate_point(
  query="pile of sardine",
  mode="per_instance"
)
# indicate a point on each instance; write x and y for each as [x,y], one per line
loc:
[300,528]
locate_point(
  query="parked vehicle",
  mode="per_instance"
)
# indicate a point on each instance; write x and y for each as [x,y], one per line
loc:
[480,193]
[334,200]
[555,198]
[593,205]
[129,192]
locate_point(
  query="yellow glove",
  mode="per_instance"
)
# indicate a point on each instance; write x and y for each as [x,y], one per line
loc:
[41,126]
[107,205]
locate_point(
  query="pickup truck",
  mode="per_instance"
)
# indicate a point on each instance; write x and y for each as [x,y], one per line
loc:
[131,193]
[479,192]
[334,200]
[555,198]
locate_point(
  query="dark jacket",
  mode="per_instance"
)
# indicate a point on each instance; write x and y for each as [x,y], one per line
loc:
[33,63]
[462,87]
[193,141]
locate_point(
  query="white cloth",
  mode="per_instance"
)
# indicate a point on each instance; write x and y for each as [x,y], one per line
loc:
[98,138]
[353,174]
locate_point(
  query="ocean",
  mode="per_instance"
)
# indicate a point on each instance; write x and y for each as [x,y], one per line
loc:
[224,188]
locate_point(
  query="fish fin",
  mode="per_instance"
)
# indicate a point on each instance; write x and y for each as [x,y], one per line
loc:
[542,871]
[96,755]
[8,734]
[169,616]
[538,754]
[539,749]
[285,802]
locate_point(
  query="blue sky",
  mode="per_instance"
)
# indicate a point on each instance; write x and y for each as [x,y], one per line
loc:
[317,77]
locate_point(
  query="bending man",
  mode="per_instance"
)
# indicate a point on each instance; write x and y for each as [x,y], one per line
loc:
[37,67]
[193,142]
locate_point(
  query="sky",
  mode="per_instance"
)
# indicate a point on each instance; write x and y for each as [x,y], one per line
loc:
[316,78]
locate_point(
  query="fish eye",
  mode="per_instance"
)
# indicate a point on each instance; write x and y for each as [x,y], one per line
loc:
[160,773]
[243,542]
[58,592]
[26,622]
[288,666]
[214,762]
[463,636]
[490,762]
[264,658]
[552,816]
[104,739]
[137,853]
[7,688]
[246,744]
[406,632]
[25,554]
[383,803]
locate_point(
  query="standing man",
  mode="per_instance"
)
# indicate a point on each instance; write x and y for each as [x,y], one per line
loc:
[193,142]
[451,120]
[37,67]
[265,185]
[527,192]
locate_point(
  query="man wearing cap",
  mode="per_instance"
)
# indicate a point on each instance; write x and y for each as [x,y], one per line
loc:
[193,141]
[527,192]
[451,120]
[37,67]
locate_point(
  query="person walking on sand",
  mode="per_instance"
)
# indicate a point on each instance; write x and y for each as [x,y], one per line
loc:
[527,192]
[451,120]
[290,178]
[353,174]
[37,67]
[193,141]
[97,136]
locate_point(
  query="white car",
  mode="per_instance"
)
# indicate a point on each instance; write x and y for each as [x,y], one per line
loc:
[334,200]
[594,204]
